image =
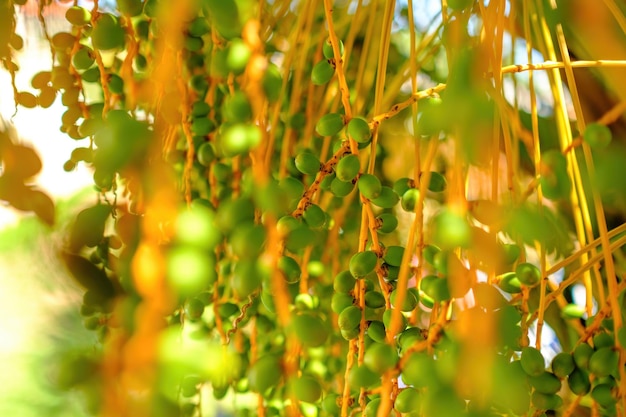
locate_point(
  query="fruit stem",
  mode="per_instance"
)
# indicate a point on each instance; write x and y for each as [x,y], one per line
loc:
[341,77]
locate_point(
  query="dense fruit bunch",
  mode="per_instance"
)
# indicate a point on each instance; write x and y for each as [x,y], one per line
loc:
[260,239]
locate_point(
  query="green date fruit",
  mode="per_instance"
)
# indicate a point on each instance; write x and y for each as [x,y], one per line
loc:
[451,230]
[393,255]
[604,361]
[194,308]
[601,340]
[310,329]
[369,185]
[362,377]
[410,199]
[237,108]
[329,124]
[341,188]
[362,263]
[387,315]
[359,130]
[546,401]
[264,373]
[578,382]
[387,198]
[322,73]
[206,154]
[603,395]
[460,4]
[190,270]
[344,282]
[419,371]
[306,388]
[239,139]
[563,364]
[376,331]
[107,33]
[554,179]
[340,302]
[546,383]
[510,283]
[410,302]
[238,56]
[314,216]
[371,409]
[380,357]
[374,299]
[388,223]
[597,136]
[581,355]
[330,404]
[307,163]
[290,269]
[327,49]
[130,7]
[78,16]
[349,318]
[408,400]
[348,167]
[528,274]
[83,58]
[532,361]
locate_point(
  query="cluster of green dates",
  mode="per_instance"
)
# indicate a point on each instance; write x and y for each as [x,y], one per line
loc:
[216,263]
[587,370]
[324,70]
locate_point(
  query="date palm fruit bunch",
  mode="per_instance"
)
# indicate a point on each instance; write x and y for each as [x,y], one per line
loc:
[337,208]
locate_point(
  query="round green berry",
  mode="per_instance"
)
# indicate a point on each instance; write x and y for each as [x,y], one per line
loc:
[409,303]
[408,400]
[380,357]
[264,373]
[327,49]
[578,382]
[341,301]
[349,318]
[348,167]
[310,329]
[437,182]
[306,388]
[528,274]
[532,361]
[307,163]
[362,263]
[369,185]
[387,198]
[563,364]
[206,154]
[341,188]
[359,130]
[344,282]
[374,299]
[546,383]
[597,136]
[322,73]
[604,361]
[410,199]
[290,269]
[329,124]
[314,216]
[388,222]
[376,331]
